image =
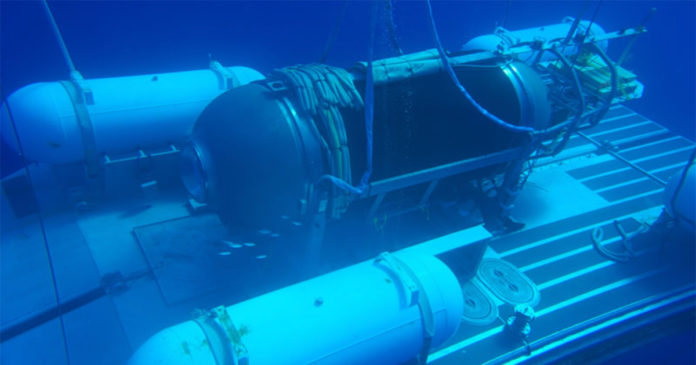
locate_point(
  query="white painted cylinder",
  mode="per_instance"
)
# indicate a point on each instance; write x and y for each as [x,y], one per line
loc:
[181,344]
[685,203]
[547,34]
[357,315]
[129,113]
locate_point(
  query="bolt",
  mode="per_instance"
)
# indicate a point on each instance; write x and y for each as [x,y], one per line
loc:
[518,324]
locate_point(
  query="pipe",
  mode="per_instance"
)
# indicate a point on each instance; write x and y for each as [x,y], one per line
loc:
[129,113]
[110,283]
[59,37]
[622,159]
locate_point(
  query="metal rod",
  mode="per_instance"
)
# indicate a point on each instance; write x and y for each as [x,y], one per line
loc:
[40,217]
[507,10]
[334,33]
[589,27]
[391,28]
[623,159]
[639,29]
[59,38]
[576,23]
[427,175]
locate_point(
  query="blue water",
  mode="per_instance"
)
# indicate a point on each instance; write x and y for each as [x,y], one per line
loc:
[119,38]
[673,350]
[108,39]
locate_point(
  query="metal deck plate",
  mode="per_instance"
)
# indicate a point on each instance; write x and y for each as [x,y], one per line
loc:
[576,283]
[184,255]
[479,308]
[507,283]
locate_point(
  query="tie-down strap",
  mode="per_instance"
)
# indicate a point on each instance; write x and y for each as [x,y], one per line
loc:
[224,338]
[415,294]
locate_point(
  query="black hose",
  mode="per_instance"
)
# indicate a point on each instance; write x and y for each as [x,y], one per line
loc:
[507,10]
[571,31]
[679,187]
[575,25]
[391,28]
[587,33]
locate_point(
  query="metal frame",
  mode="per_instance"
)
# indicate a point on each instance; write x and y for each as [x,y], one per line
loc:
[433,175]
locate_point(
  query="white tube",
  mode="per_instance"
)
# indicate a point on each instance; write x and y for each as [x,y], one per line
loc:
[182,344]
[358,315]
[546,34]
[129,113]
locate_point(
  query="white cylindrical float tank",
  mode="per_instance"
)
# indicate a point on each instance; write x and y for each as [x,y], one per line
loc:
[363,314]
[547,34]
[680,198]
[128,113]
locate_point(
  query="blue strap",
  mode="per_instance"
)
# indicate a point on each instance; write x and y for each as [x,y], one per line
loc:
[369,104]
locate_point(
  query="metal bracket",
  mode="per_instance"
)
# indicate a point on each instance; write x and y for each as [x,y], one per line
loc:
[217,339]
[375,206]
[424,308]
[239,350]
[410,288]
[82,87]
[507,36]
[228,79]
[79,98]
[224,339]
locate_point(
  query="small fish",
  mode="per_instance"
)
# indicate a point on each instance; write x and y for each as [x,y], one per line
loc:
[249,244]
[261,257]
[298,224]
[225,253]
[265,231]
[275,235]
[284,217]
[232,244]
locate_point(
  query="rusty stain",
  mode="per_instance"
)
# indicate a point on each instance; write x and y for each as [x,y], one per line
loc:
[185,346]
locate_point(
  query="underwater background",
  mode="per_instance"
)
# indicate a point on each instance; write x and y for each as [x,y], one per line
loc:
[120,38]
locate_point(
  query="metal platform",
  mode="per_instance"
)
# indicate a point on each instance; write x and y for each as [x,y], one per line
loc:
[580,290]
[582,295]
